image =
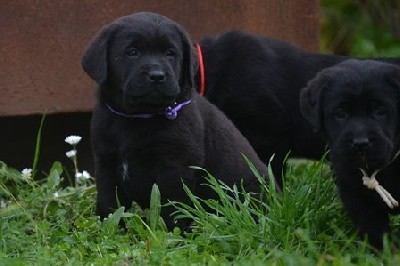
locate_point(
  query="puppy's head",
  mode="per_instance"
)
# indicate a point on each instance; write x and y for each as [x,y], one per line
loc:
[142,62]
[355,104]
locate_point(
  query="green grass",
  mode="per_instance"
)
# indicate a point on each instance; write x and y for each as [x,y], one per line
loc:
[44,223]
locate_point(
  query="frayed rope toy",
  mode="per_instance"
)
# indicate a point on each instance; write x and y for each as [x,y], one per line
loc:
[371,183]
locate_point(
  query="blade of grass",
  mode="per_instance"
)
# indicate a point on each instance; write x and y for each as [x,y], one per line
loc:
[155,207]
[37,147]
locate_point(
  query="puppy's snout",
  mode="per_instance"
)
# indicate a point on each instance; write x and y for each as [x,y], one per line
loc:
[361,143]
[157,76]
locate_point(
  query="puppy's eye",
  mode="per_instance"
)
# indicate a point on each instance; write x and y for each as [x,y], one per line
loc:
[133,52]
[340,113]
[170,52]
[379,112]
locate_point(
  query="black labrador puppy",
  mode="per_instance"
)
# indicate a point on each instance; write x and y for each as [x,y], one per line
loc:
[356,106]
[149,124]
[256,82]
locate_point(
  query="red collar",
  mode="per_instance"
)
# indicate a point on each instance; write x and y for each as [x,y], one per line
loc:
[202,90]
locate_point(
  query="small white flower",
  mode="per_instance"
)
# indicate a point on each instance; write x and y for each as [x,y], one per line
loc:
[82,176]
[26,173]
[86,175]
[55,194]
[71,153]
[3,204]
[73,140]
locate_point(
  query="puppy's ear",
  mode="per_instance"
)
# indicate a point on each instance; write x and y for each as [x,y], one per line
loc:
[310,100]
[94,60]
[190,63]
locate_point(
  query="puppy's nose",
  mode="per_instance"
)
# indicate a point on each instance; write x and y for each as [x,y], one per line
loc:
[360,143]
[157,76]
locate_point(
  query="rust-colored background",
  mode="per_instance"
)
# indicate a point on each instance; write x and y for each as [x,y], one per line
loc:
[41,43]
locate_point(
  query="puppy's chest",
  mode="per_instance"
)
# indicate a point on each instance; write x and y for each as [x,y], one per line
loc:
[144,149]
[140,160]
[136,162]
[132,171]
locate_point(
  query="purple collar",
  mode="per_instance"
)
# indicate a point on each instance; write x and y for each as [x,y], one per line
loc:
[170,112]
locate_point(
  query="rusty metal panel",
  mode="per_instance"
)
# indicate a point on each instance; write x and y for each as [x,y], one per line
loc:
[41,42]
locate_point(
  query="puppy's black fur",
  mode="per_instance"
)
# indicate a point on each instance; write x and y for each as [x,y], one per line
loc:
[144,63]
[256,82]
[356,105]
